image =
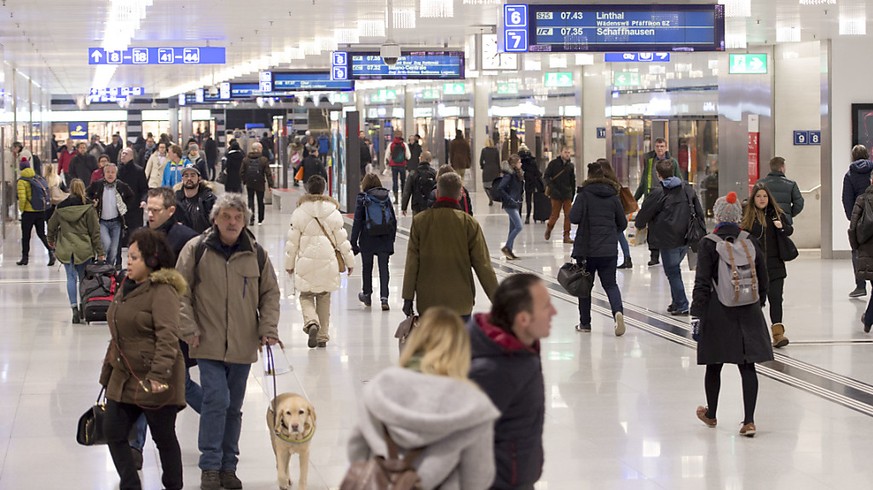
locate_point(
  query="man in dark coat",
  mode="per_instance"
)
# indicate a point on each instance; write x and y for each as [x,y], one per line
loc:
[783,189]
[82,165]
[161,207]
[257,176]
[414,152]
[533,179]
[112,198]
[649,181]
[560,179]
[419,185]
[506,364]
[194,200]
[855,183]
[133,175]
[666,212]
[600,216]
[312,165]
[114,149]
[210,147]
[728,334]
[862,253]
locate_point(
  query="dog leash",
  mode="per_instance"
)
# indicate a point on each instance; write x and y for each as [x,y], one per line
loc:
[271,368]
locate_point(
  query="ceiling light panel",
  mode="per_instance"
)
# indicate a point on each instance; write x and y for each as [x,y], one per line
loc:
[737,8]
[853,20]
[371,28]
[436,9]
[818,2]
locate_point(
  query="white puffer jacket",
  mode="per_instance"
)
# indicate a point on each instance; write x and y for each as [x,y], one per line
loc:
[308,252]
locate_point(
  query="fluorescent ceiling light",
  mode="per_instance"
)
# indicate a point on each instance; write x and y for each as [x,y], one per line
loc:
[737,8]
[786,33]
[436,9]
[818,2]
[404,18]
[853,20]
[371,28]
[345,35]
[483,2]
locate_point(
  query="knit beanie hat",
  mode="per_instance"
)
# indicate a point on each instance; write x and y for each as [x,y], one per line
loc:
[727,209]
[23,164]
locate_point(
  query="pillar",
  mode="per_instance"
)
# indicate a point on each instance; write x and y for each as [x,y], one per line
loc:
[481,123]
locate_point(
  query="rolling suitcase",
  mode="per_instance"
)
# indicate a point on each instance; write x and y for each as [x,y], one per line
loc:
[542,207]
[97,290]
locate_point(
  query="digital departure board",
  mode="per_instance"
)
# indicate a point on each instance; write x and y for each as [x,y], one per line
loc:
[244,90]
[311,81]
[575,28]
[412,65]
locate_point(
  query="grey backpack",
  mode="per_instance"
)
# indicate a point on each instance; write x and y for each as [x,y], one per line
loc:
[737,279]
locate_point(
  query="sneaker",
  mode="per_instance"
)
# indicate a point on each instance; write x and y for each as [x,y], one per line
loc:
[748,430]
[671,308]
[313,335]
[229,480]
[385,306]
[701,414]
[858,293]
[209,480]
[619,324]
[137,457]
[364,298]
[676,312]
[583,328]
[507,253]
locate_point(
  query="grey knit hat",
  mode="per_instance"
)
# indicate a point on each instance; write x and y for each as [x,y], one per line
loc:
[727,209]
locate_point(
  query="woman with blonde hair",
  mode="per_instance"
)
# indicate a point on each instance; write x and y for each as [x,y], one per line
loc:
[74,235]
[56,189]
[427,402]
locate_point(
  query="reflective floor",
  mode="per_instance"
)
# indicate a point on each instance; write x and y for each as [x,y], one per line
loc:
[620,411]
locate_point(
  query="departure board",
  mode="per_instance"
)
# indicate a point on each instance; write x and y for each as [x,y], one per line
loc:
[244,90]
[575,28]
[311,81]
[412,65]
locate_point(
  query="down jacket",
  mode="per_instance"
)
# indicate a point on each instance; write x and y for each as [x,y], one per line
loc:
[785,192]
[600,216]
[309,252]
[144,323]
[856,181]
[864,266]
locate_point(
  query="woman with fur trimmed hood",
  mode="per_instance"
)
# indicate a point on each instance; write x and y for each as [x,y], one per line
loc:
[600,216]
[315,236]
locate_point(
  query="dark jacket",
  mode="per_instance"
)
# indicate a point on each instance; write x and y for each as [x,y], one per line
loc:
[511,374]
[313,166]
[195,212]
[199,163]
[81,167]
[95,194]
[533,178]
[511,190]
[649,177]
[232,167]
[361,239]
[785,192]
[768,239]
[415,156]
[264,175]
[667,214]
[856,181]
[489,162]
[560,177]
[733,335]
[210,148]
[135,178]
[864,265]
[113,150]
[600,216]
[465,203]
[177,235]
[413,190]
[366,157]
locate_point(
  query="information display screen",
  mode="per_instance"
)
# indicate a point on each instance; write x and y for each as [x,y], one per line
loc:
[412,65]
[312,81]
[573,28]
[244,90]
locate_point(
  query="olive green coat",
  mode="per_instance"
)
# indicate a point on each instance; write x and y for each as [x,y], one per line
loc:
[74,232]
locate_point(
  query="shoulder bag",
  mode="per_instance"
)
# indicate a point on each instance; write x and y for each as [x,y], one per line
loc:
[628,202]
[404,330]
[89,431]
[548,191]
[696,227]
[787,249]
[339,256]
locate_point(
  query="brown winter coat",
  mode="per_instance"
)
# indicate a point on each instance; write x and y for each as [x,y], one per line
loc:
[144,326]
[265,173]
[459,153]
[232,304]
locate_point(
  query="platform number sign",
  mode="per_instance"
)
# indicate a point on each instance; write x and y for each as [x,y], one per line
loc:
[515,21]
[191,56]
[166,56]
[339,65]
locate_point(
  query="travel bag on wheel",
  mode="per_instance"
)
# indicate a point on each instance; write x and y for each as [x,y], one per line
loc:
[97,290]
[542,207]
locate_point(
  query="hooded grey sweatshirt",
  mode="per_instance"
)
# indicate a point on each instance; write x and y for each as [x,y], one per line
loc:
[453,420]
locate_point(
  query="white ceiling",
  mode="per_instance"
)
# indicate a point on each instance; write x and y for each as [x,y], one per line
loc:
[48,40]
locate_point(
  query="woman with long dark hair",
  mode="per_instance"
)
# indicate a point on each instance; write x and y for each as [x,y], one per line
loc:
[510,190]
[610,174]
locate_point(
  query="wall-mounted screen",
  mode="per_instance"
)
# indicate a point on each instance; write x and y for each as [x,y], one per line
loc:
[412,65]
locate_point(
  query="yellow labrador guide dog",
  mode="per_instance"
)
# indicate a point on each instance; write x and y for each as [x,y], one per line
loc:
[292,426]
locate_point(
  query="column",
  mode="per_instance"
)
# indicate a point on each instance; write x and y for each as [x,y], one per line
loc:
[408,111]
[481,122]
[173,132]
[187,124]
[594,94]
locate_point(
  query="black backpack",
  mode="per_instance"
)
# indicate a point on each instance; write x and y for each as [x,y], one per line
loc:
[425,184]
[253,172]
[496,190]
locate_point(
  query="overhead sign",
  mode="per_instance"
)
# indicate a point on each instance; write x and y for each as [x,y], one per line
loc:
[78,130]
[224,91]
[244,90]
[116,91]
[454,88]
[507,88]
[515,32]
[265,81]
[430,94]
[656,27]
[157,56]
[558,79]
[661,57]
[626,79]
[804,138]
[308,81]
[747,64]
[339,65]
[412,65]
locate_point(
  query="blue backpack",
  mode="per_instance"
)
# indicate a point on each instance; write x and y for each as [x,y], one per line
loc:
[39,193]
[380,219]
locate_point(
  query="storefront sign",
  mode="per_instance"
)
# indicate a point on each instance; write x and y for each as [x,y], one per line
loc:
[78,130]
[157,56]
[747,64]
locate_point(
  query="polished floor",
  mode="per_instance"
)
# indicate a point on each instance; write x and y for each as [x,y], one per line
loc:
[620,411]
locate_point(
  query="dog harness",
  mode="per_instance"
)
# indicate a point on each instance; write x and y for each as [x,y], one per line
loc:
[271,365]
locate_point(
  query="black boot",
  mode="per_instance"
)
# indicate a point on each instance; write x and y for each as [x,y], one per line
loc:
[51,258]
[627,264]
[76,319]
[23,261]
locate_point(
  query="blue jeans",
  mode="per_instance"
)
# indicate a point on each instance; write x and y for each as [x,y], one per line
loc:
[194,399]
[515,226]
[367,265]
[672,259]
[625,248]
[605,269]
[398,173]
[75,273]
[110,237]
[224,389]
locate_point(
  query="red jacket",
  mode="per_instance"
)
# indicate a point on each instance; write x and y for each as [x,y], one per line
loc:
[64,159]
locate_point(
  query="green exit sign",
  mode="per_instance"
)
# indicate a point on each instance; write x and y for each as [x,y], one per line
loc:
[430,94]
[455,88]
[747,64]
[626,79]
[558,79]
[507,88]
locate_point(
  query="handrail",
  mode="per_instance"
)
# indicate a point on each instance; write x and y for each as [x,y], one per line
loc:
[811,190]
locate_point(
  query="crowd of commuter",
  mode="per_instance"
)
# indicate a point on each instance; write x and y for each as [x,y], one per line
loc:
[218,292]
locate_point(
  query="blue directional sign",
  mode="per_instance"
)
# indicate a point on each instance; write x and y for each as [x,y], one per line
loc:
[310,81]
[116,91]
[418,65]
[815,137]
[601,133]
[244,90]
[515,32]
[339,65]
[631,57]
[607,27]
[801,138]
[158,56]
[224,91]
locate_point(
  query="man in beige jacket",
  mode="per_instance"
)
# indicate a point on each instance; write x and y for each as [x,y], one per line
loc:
[232,310]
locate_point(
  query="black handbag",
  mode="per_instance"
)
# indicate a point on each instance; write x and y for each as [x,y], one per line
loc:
[90,429]
[576,279]
[787,249]
[696,227]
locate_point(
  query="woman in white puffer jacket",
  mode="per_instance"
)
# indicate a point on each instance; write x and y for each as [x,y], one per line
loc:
[316,232]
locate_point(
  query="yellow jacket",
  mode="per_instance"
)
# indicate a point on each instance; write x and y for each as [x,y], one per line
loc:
[24,191]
